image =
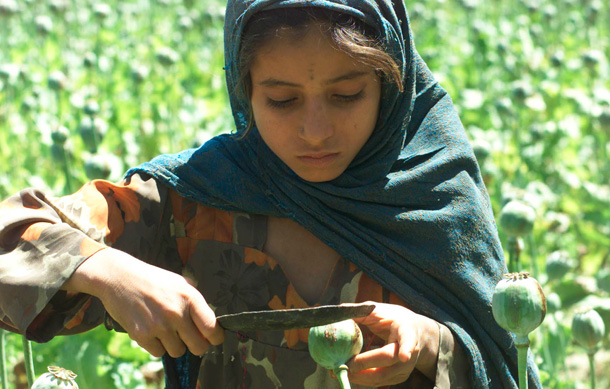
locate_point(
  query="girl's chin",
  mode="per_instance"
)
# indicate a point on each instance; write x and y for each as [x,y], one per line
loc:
[318,175]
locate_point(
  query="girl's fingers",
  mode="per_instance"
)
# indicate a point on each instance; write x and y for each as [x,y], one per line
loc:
[382,376]
[194,340]
[381,366]
[205,321]
[381,357]
[172,343]
[153,346]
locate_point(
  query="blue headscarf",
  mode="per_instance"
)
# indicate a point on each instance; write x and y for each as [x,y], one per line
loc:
[411,210]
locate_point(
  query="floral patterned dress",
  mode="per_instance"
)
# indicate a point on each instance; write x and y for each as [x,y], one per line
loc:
[44,239]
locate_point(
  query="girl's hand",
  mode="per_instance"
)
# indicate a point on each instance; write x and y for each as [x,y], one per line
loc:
[412,342]
[159,309]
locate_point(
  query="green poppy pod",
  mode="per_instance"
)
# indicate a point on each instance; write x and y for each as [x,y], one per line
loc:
[139,73]
[58,7]
[90,59]
[43,24]
[603,279]
[558,264]
[588,329]
[553,303]
[591,58]
[519,305]
[92,132]
[91,107]
[57,81]
[557,59]
[517,218]
[102,10]
[28,104]
[60,135]
[98,167]
[8,7]
[521,90]
[334,344]
[56,378]
[167,56]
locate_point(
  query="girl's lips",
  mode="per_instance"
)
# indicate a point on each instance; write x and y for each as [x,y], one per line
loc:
[319,159]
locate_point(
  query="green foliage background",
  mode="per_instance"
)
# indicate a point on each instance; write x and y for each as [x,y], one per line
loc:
[530,78]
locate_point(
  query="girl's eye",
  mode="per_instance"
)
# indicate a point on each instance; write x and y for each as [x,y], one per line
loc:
[279,103]
[349,98]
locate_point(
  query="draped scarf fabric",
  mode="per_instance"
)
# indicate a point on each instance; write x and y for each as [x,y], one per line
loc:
[411,210]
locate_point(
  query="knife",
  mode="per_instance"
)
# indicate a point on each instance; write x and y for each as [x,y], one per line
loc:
[284,319]
[287,319]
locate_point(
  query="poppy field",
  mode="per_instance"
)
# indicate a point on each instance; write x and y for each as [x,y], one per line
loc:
[89,89]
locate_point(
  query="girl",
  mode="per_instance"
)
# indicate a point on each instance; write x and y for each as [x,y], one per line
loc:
[349,178]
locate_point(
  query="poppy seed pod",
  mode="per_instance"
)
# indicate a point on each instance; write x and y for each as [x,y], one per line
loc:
[332,345]
[98,167]
[57,377]
[519,305]
[57,80]
[588,329]
[92,132]
[8,7]
[558,264]
[91,107]
[139,73]
[90,59]
[603,279]
[60,135]
[167,56]
[521,90]
[43,24]
[101,10]
[553,303]
[517,218]
[58,7]
[591,58]
[28,104]
[557,59]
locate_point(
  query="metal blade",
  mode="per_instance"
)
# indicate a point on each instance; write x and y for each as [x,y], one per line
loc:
[288,319]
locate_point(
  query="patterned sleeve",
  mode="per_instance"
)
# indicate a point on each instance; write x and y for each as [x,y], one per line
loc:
[44,239]
[452,368]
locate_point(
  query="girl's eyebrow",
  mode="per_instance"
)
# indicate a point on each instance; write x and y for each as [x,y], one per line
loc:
[347,76]
[273,82]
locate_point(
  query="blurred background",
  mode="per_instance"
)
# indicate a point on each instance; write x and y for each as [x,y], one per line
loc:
[89,89]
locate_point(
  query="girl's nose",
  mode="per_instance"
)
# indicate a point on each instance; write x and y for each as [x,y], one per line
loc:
[317,125]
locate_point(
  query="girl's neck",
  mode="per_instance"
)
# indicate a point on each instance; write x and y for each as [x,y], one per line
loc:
[306,261]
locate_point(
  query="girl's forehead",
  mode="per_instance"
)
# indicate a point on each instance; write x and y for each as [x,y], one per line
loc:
[316,33]
[313,52]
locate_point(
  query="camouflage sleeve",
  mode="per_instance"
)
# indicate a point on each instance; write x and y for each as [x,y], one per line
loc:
[44,239]
[452,368]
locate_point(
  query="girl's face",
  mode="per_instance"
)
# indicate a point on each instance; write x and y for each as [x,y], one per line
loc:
[314,106]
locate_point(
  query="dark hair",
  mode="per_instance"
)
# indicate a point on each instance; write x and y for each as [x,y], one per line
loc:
[348,34]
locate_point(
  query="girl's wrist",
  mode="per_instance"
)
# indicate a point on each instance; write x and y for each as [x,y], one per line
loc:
[89,276]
